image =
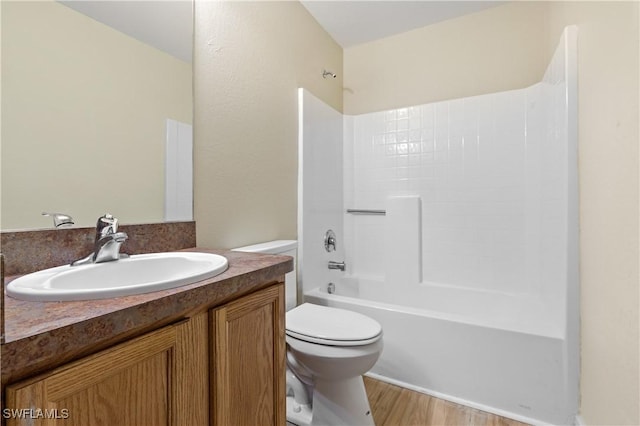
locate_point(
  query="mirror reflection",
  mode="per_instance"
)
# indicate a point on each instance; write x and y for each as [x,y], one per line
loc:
[91,93]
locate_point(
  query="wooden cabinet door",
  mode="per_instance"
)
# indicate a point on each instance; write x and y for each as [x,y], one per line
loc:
[139,382]
[247,364]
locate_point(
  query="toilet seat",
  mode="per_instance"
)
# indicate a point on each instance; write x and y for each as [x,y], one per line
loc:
[331,326]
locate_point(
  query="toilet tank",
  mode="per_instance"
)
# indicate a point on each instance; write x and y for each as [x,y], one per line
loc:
[285,248]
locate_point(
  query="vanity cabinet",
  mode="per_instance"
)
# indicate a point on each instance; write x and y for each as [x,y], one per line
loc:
[156,379]
[221,367]
[247,362]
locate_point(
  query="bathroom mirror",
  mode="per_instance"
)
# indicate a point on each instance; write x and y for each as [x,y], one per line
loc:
[87,89]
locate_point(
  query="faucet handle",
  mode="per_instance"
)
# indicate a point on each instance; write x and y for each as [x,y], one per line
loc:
[106,225]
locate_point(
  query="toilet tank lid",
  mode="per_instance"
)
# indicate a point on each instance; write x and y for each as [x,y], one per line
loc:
[270,247]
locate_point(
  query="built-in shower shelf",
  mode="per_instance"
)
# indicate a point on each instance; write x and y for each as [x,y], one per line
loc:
[367,211]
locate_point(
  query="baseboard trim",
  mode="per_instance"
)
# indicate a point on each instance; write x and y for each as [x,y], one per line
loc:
[461,401]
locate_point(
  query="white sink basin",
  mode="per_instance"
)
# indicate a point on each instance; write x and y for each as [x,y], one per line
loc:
[137,274]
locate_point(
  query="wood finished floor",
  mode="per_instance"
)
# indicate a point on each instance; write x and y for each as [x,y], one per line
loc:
[395,406]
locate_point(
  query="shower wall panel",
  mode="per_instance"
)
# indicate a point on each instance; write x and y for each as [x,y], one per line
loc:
[490,171]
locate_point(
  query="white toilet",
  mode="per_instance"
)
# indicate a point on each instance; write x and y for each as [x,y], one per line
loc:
[328,350]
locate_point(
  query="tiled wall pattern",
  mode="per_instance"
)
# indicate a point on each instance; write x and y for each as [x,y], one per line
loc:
[491,173]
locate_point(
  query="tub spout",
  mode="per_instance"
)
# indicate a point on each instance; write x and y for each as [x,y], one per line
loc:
[336,265]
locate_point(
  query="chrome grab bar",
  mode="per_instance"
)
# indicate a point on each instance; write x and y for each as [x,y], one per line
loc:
[367,211]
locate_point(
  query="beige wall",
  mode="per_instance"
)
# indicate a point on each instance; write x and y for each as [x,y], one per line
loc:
[250,58]
[490,51]
[608,74]
[83,118]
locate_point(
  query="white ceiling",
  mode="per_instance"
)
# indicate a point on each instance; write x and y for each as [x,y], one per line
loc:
[165,25]
[168,24]
[355,22]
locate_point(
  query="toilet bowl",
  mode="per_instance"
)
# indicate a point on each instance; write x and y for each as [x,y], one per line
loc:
[328,351]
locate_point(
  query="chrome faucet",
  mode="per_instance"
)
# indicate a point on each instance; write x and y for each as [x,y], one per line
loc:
[336,265]
[107,242]
[60,220]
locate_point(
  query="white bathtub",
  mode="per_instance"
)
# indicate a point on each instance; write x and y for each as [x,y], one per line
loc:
[480,350]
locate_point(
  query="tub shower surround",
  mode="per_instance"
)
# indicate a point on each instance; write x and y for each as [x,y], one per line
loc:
[473,270]
[489,171]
